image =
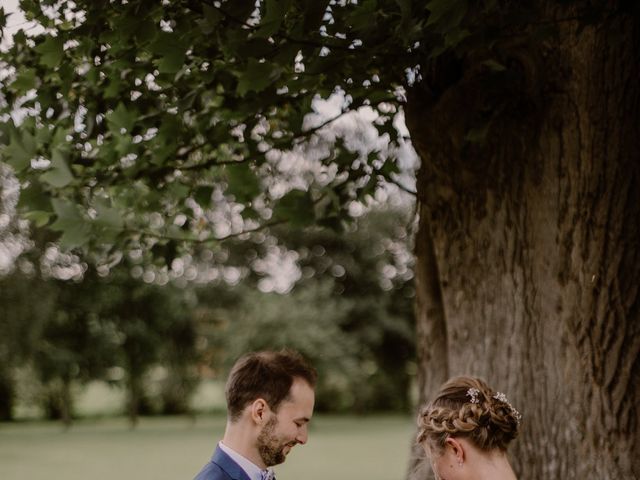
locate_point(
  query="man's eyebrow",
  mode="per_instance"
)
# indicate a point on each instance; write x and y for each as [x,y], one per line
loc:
[303,419]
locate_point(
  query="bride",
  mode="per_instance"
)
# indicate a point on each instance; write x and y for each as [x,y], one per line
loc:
[465,431]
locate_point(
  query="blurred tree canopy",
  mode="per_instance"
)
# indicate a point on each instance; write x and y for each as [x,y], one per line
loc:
[78,331]
[351,313]
[349,310]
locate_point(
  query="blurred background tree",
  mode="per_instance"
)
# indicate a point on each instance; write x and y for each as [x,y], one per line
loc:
[351,311]
[343,299]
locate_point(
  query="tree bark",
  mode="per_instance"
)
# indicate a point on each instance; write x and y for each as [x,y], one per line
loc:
[528,265]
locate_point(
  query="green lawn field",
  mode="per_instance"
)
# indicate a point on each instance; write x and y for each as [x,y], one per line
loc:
[354,448]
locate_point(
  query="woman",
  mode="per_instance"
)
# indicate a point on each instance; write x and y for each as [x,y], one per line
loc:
[466,429]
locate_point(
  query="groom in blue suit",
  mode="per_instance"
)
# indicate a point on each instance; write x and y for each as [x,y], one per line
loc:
[270,398]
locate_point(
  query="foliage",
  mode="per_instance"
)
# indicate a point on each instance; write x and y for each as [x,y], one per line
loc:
[82,331]
[154,327]
[350,312]
[126,120]
[141,117]
[136,108]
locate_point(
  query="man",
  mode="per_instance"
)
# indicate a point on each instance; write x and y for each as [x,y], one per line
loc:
[270,397]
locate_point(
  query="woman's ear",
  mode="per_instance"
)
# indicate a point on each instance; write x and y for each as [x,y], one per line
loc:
[457,448]
[259,409]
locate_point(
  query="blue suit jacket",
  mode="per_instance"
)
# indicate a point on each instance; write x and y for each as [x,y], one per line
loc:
[221,467]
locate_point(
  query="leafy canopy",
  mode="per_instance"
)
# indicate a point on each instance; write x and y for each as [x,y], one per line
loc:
[137,116]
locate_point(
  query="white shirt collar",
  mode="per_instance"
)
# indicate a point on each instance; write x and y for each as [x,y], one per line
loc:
[251,469]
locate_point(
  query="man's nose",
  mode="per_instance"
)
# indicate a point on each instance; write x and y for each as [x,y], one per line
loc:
[302,435]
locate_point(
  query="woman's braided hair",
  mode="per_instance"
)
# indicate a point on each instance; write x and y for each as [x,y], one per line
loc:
[467,407]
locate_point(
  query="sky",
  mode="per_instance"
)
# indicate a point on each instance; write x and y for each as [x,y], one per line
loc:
[15,21]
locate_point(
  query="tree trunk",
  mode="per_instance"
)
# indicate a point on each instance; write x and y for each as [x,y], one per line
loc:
[59,401]
[7,393]
[528,264]
[134,398]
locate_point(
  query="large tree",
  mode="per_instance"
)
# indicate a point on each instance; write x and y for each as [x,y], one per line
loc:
[144,124]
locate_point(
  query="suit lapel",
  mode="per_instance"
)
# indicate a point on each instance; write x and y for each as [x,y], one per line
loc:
[226,463]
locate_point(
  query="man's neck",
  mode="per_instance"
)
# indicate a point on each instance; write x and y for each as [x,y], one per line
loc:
[242,440]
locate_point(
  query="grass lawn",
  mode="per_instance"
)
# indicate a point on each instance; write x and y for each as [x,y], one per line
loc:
[366,448]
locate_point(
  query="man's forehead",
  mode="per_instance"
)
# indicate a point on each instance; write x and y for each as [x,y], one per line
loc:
[301,395]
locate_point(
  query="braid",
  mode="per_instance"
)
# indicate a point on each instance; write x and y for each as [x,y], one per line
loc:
[467,407]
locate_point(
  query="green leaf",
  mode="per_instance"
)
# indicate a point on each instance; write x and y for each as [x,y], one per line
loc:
[258,48]
[494,65]
[113,89]
[405,9]
[314,11]
[258,76]
[5,132]
[273,18]
[408,20]
[51,51]
[171,50]
[26,80]
[20,151]
[43,135]
[178,191]
[145,32]
[240,9]
[361,18]
[242,182]
[108,220]
[171,61]
[122,118]
[75,230]
[212,18]
[296,207]
[446,14]
[122,144]
[33,198]
[165,142]
[38,217]
[455,37]
[202,195]
[59,140]
[58,175]
[67,75]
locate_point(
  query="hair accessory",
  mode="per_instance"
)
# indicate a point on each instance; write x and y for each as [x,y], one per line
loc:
[473,394]
[503,398]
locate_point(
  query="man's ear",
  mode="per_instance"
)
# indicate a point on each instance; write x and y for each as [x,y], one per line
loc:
[457,448]
[259,410]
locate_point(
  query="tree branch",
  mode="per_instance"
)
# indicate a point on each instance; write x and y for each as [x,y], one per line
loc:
[213,162]
[201,241]
[311,131]
[399,185]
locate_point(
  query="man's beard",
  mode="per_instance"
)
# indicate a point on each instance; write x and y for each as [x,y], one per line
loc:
[270,447]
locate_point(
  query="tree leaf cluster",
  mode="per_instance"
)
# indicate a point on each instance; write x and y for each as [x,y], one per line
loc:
[139,107]
[78,332]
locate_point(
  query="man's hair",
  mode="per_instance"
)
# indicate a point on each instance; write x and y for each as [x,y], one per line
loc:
[267,375]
